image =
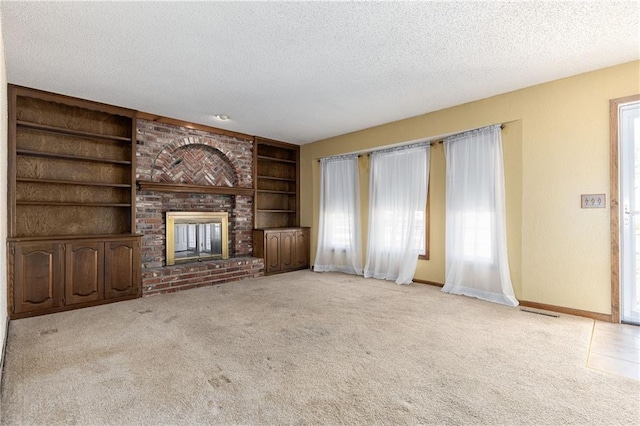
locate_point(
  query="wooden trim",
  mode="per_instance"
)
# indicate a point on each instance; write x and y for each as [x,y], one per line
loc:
[569,311]
[175,122]
[255,184]
[434,283]
[298,186]
[66,238]
[70,100]
[273,142]
[71,204]
[614,206]
[427,225]
[71,132]
[561,309]
[134,152]
[73,182]
[11,166]
[275,160]
[31,153]
[199,189]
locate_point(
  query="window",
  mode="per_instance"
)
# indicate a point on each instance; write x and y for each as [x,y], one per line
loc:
[477,230]
[339,246]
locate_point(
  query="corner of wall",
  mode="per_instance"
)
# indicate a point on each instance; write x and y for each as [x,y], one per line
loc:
[4,320]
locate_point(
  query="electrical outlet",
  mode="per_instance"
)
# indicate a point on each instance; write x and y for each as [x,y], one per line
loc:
[593,201]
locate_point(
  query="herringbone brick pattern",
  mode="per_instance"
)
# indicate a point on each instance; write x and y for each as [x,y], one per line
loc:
[196,165]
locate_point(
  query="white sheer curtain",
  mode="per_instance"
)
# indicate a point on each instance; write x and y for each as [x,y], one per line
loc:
[476,241]
[339,241]
[397,201]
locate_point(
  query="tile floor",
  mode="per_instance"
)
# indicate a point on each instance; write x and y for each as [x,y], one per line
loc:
[615,348]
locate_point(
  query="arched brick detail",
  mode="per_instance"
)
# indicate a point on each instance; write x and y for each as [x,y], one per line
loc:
[194,164]
[199,161]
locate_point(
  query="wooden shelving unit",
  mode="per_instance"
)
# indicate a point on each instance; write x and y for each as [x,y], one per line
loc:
[277,166]
[278,237]
[71,193]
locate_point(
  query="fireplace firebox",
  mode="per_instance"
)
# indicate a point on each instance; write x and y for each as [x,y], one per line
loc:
[196,236]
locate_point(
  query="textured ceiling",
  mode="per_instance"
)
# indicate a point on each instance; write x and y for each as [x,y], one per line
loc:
[303,71]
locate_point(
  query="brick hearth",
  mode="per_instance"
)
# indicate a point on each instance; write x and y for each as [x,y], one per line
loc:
[186,276]
[174,154]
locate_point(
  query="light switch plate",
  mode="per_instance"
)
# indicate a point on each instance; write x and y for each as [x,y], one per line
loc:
[593,201]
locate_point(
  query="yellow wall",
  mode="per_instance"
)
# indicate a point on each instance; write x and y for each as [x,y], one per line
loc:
[556,147]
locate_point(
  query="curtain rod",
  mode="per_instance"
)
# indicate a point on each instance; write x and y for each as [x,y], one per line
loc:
[442,141]
[430,143]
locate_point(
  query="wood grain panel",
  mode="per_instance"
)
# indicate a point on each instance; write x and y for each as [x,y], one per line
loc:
[276,185]
[43,221]
[278,170]
[287,250]
[71,117]
[614,196]
[275,220]
[271,201]
[66,144]
[122,268]
[37,276]
[272,252]
[46,192]
[84,272]
[77,171]
[287,154]
[302,248]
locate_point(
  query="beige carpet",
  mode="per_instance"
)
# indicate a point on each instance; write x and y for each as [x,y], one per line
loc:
[308,348]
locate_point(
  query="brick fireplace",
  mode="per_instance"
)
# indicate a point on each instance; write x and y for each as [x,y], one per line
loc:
[198,161]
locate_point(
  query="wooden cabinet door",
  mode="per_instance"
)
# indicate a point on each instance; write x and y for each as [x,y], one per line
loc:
[37,276]
[287,250]
[121,268]
[272,252]
[84,272]
[302,249]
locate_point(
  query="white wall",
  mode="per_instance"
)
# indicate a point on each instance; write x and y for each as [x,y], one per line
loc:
[3,198]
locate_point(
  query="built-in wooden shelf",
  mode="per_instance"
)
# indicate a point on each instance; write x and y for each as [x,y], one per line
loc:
[71,204]
[201,189]
[62,130]
[269,191]
[277,160]
[276,178]
[103,237]
[70,157]
[277,182]
[73,182]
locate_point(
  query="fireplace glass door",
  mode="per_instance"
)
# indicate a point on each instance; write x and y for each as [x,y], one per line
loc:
[198,240]
[196,236]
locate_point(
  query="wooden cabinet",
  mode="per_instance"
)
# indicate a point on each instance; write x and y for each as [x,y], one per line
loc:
[59,275]
[84,272]
[302,248]
[71,202]
[37,270]
[283,249]
[122,268]
[277,166]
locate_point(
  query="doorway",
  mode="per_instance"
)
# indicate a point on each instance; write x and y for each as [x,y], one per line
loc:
[625,209]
